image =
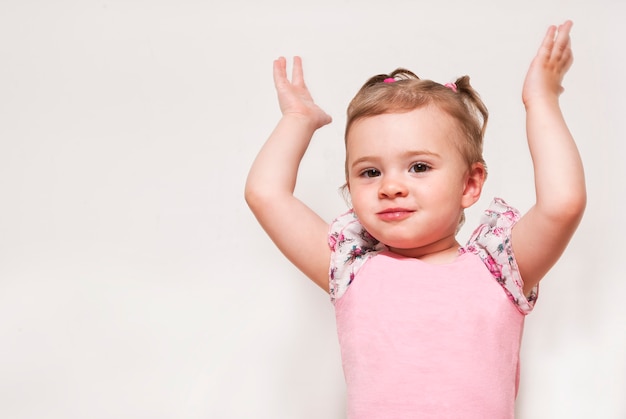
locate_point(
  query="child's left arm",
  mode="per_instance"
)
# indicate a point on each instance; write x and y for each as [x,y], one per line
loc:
[542,234]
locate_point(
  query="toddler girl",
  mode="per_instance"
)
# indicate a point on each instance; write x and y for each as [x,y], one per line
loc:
[427,328]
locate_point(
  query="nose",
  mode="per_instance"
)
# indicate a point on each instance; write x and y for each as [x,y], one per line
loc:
[392,187]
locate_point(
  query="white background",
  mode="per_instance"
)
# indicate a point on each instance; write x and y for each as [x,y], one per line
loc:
[134,281]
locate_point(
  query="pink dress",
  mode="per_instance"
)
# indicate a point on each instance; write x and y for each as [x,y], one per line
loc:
[429,341]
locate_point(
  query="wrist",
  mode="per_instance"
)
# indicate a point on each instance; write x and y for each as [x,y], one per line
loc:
[541,101]
[310,122]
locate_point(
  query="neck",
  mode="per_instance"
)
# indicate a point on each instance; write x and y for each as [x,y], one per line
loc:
[440,252]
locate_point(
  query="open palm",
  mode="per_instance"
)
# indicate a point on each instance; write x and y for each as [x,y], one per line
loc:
[294,97]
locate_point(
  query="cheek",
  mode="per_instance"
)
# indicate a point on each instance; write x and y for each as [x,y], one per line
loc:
[359,199]
[355,196]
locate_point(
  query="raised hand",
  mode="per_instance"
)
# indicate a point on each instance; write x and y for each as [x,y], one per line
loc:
[541,235]
[272,178]
[546,72]
[294,97]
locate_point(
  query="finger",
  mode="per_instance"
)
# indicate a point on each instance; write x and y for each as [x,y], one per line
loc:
[562,40]
[297,76]
[280,71]
[565,28]
[567,60]
[545,50]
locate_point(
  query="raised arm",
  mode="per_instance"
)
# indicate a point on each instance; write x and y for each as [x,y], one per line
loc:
[295,229]
[542,234]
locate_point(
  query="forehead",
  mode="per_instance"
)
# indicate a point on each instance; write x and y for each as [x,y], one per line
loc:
[427,127]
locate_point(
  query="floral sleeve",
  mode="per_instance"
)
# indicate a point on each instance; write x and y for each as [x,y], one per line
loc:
[491,241]
[351,246]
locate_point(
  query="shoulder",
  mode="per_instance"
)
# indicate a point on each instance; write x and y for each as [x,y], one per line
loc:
[347,229]
[495,226]
[351,246]
[491,241]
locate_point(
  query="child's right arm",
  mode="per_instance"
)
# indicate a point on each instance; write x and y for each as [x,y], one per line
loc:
[299,233]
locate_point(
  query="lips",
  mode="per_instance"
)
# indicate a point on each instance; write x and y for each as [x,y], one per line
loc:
[394,214]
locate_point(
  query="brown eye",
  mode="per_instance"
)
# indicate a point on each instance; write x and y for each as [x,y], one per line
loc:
[370,173]
[419,168]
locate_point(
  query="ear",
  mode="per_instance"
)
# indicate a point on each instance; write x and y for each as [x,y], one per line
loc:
[473,186]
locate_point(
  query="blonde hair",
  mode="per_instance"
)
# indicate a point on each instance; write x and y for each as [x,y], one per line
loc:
[403,91]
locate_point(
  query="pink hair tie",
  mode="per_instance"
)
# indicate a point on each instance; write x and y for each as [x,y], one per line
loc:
[451,86]
[389,80]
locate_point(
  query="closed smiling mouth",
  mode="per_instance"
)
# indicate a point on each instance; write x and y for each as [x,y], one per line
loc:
[392,214]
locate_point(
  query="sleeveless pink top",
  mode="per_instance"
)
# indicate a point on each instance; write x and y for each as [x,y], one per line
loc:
[421,340]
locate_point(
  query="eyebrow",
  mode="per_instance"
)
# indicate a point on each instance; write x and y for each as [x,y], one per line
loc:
[410,153]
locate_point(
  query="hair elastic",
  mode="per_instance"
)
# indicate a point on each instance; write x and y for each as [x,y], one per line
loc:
[389,80]
[451,86]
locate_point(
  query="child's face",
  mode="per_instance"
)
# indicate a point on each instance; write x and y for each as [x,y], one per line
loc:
[408,180]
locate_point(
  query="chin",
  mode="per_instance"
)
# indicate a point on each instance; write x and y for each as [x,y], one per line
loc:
[400,244]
